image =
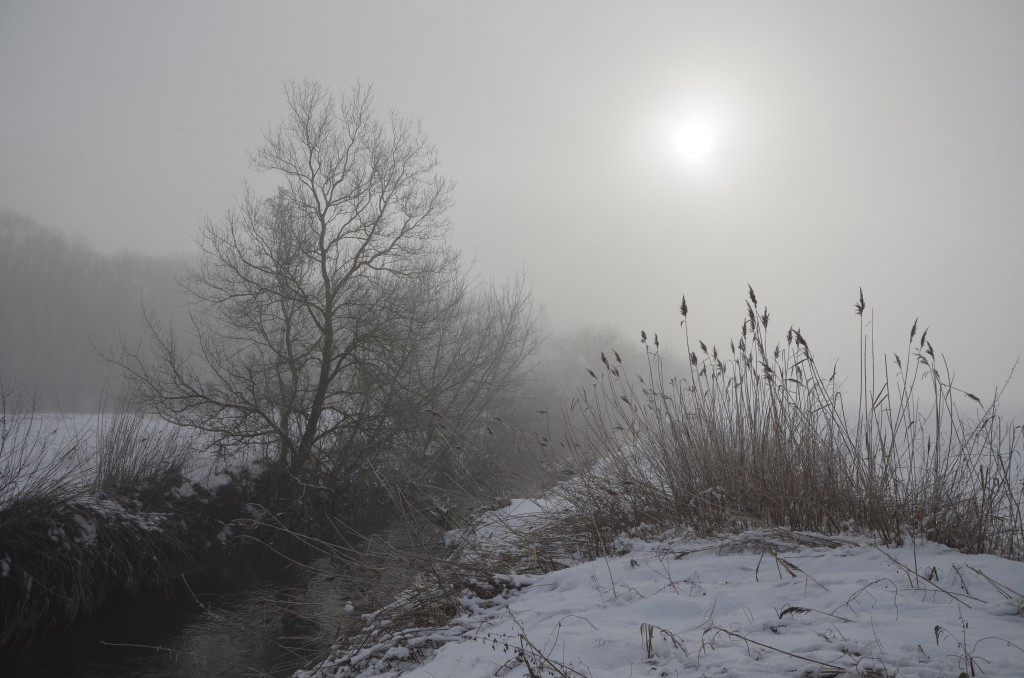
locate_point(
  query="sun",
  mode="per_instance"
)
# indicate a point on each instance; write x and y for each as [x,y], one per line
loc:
[694,139]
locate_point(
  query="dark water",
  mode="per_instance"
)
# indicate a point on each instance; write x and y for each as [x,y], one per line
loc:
[252,615]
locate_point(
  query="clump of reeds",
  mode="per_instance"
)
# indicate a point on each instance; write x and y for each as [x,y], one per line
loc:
[756,434]
[137,454]
[38,456]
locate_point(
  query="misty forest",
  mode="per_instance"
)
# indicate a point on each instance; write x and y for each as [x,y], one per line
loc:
[336,436]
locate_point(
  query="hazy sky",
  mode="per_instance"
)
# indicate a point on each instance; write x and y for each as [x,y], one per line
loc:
[856,144]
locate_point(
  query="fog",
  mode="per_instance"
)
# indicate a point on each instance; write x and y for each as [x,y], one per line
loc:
[859,145]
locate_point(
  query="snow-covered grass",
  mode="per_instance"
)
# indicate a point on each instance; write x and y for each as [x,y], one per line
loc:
[762,602]
[759,603]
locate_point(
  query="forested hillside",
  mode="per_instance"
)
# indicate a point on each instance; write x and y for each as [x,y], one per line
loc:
[62,304]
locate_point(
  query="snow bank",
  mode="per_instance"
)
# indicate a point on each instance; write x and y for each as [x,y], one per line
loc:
[764,603]
[502,527]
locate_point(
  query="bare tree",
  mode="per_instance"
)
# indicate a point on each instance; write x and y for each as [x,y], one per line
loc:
[326,311]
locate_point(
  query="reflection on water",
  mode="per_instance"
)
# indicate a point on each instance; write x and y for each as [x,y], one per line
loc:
[248,616]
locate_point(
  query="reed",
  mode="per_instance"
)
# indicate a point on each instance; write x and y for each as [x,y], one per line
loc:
[757,434]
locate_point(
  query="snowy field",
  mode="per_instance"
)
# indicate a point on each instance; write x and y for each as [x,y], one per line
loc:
[761,603]
[41,447]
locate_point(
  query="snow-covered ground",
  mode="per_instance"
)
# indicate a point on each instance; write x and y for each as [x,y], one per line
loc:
[761,603]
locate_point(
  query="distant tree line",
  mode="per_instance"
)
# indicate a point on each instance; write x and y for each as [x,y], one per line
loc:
[62,304]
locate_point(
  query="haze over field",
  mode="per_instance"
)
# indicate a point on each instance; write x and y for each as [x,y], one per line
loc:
[836,146]
[295,296]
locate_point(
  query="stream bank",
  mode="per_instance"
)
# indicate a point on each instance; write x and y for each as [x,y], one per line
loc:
[252,613]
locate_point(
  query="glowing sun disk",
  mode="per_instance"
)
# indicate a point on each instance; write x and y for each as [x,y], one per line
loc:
[694,139]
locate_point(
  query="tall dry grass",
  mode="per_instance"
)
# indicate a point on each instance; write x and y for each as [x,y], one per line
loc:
[138,453]
[39,456]
[756,433]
